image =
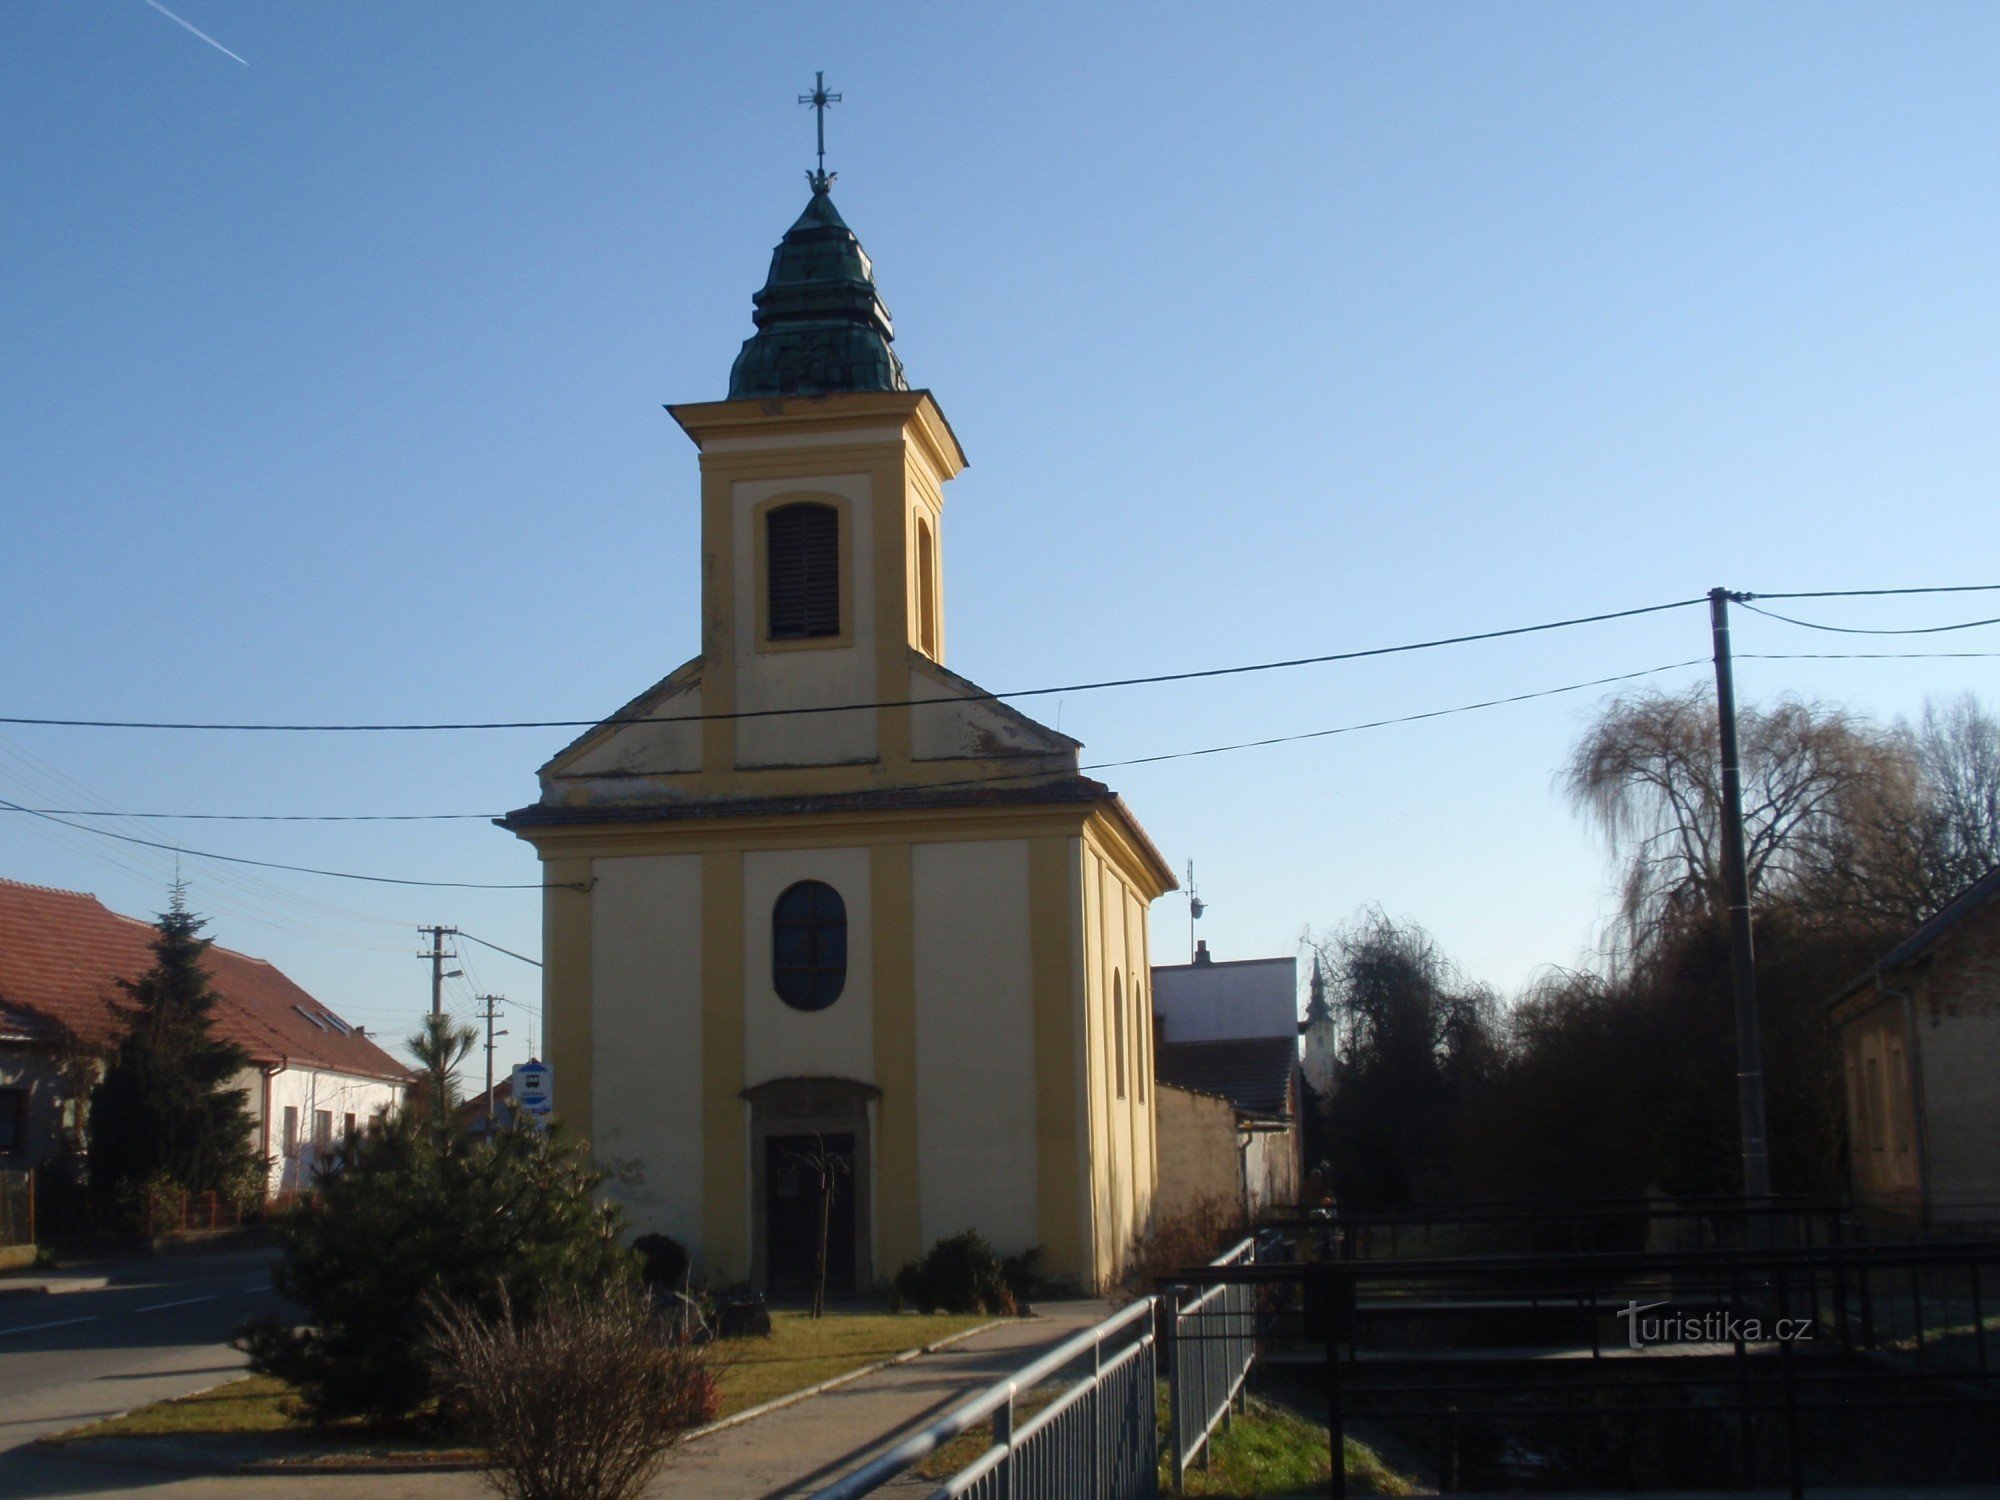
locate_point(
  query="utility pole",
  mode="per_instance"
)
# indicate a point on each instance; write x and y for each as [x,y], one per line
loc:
[489,1011]
[437,956]
[1742,952]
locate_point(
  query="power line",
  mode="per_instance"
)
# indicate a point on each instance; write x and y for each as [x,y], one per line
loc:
[1864,655]
[1950,588]
[975,696]
[1436,713]
[1772,614]
[8,806]
[98,812]
[498,949]
[267,864]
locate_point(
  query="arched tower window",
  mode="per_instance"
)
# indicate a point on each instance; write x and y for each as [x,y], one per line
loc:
[927,604]
[809,945]
[802,558]
[1118,1027]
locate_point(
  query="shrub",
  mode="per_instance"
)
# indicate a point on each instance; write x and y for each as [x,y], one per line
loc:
[411,1213]
[1023,1274]
[1192,1237]
[663,1261]
[580,1401]
[959,1275]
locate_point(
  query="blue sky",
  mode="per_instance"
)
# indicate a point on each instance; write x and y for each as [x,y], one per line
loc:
[330,389]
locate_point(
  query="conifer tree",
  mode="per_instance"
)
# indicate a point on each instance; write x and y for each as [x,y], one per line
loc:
[164,1108]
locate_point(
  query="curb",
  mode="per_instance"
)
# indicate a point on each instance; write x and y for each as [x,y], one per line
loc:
[99,1449]
[59,1287]
[793,1398]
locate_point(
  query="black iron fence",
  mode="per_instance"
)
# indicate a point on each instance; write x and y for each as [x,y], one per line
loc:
[17,1209]
[1796,1365]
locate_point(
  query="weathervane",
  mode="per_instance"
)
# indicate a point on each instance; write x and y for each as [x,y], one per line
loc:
[819,99]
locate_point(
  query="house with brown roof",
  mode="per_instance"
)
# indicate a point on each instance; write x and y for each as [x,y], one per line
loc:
[1226,1061]
[312,1078]
[1920,1045]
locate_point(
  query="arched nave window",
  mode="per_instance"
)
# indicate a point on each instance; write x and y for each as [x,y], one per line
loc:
[809,945]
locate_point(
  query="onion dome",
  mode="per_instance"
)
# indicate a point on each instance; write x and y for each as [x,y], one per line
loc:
[821,325]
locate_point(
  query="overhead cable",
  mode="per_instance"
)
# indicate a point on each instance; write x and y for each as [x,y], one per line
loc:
[975,696]
[1041,772]
[266,864]
[1772,614]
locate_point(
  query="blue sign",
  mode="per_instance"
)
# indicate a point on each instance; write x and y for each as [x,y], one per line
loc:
[534,1089]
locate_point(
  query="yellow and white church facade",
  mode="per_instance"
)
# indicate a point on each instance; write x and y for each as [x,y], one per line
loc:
[815,893]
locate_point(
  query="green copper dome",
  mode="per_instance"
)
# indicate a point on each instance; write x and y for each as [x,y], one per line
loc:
[821,325]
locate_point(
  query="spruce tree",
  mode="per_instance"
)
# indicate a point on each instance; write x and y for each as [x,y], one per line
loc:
[164,1108]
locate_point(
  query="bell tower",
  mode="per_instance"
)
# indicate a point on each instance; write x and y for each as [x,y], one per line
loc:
[822,496]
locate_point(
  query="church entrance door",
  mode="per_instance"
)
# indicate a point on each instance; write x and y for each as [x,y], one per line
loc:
[794,1168]
[792,1119]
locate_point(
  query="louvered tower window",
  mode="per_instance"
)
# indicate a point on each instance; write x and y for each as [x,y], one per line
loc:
[802,551]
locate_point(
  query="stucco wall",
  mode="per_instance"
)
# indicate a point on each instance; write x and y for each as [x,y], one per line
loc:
[1198,1155]
[1271,1169]
[975,1042]
[1119,1021]
[1958,1045]
[646,1040]
[308,1091]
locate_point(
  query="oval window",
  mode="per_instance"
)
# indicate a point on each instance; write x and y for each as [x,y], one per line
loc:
[809,945]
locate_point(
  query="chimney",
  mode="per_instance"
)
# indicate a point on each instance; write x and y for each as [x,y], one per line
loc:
[1201,952]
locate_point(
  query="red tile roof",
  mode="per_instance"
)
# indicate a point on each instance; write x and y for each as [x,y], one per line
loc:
[62,954]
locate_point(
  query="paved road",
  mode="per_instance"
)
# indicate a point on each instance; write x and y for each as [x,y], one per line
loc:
[157,1327]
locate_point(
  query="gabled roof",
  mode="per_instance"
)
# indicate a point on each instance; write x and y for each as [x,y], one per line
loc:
[1925,937]
[1252,1073]
[62,954]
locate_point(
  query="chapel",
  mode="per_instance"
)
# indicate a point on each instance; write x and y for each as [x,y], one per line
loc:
[819,910]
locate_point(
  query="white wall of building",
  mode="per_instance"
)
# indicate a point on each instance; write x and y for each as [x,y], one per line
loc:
[1216,1002]
[646,1040]
[975,1042]
[323,1105]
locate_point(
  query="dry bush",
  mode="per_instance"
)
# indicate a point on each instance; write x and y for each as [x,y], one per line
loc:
[579,1402]
[1192,1237]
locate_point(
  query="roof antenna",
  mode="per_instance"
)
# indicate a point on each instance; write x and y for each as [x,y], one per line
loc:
[1196,906]
[819,99]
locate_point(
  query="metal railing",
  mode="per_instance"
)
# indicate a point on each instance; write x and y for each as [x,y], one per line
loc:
[1835,1365]
[17,1208]
[1099,1436]
[1212,1346]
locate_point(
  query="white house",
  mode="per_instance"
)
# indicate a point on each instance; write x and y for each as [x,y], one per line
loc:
[1227,1060]
[312,1078]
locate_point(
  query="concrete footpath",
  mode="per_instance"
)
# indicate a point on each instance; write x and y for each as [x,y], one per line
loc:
[788,1452]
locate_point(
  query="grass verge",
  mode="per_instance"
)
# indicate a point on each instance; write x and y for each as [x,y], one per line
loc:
[801,1352]
[1267,1450]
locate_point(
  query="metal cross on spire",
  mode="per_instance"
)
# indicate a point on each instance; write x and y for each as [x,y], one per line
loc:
[819,99]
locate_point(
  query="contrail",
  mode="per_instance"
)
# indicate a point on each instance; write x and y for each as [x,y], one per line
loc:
[196,30]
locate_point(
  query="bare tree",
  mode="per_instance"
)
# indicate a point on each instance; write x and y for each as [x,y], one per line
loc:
[1820,787]
[1957,750]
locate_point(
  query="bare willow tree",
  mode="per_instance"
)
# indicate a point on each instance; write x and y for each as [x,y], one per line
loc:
[1820,784]
[1956,747]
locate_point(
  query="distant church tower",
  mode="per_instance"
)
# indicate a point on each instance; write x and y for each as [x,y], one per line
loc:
[1321,1034]
[815,895]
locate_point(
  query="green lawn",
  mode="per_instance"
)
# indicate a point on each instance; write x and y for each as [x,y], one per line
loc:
[801,1351]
